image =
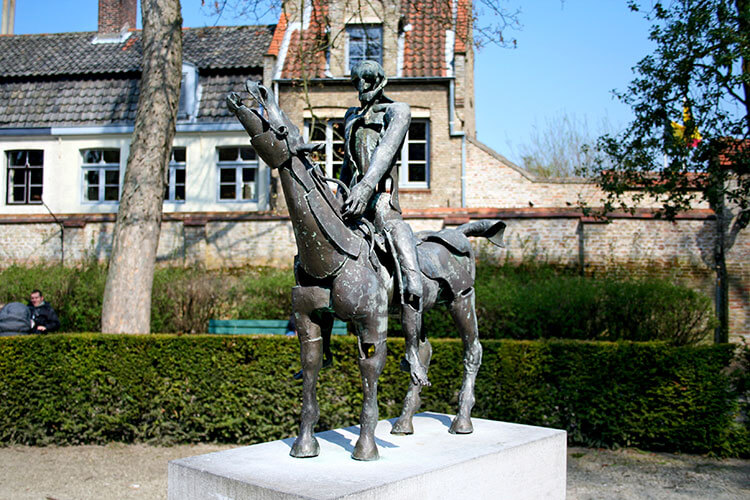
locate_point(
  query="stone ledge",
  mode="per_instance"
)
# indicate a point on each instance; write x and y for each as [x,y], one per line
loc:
[499,460]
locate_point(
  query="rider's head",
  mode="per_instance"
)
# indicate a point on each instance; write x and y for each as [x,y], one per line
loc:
[369,79]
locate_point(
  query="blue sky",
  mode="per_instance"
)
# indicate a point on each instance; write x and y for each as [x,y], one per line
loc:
[570,56]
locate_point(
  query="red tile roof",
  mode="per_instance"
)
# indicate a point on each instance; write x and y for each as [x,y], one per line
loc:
[306,55]
[426,23]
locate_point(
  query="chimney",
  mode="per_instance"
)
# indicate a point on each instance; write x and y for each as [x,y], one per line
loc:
[116,16]
[8,19]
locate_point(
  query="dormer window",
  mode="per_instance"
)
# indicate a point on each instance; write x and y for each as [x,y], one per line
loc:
[365,42]
[188,92]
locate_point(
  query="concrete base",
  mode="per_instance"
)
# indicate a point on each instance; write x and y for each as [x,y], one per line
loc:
[498,461]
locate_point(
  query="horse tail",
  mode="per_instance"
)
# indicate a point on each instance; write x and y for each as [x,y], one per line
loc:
[493,230]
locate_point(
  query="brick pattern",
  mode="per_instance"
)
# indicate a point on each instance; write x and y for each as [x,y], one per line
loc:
[116,14]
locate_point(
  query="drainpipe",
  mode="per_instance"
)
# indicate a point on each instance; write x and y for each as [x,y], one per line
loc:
[454,133]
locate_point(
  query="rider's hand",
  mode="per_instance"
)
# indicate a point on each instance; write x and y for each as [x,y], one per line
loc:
[358,199]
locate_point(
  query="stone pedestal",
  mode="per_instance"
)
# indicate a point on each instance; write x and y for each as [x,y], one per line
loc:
[498,461]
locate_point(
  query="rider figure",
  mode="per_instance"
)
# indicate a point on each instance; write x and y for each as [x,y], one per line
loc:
[374,134]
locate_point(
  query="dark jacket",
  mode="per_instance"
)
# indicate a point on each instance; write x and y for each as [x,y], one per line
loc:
[44,316]
[15,319]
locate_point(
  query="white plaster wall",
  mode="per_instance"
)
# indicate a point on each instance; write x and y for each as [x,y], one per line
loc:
[63,176]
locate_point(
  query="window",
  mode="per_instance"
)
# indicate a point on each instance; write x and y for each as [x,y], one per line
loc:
[365,42]
[238,173]
[414,165]
[101,175]
[175,189]
[25,173]
[330,133]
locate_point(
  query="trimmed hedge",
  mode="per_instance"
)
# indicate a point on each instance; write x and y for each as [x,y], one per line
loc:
[92,388]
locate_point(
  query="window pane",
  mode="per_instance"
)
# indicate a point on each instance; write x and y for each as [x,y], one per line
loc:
[36,175]
[19,194]
[248,191]
[318,132]
[179,175]
[179,155]
[227,192]
[35,193]
[92,177]
[417,173]
[248,175]
[92,194]
[92,155]
[36,157]
[17,158]
[227,175]
[110,193]
[228,154]
[111,156]
[418,131]
[179,193]
[417,152]
[15,176]
[247,154]
[111,177]
[338,131]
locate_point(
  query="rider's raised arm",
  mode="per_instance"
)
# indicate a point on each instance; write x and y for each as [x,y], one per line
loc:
[396,124]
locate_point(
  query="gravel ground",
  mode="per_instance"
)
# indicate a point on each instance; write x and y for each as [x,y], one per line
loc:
[139,471]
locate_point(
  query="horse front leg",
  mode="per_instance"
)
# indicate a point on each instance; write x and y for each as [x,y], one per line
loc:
[305,300]
[464,315]
[371,363]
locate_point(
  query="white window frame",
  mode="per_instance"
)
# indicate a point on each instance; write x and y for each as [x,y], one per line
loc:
[27,184]
[172,176]
[403,175]
[238,164]
[101,167]
[328,164]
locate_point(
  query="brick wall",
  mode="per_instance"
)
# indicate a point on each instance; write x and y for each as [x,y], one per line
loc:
[680,251]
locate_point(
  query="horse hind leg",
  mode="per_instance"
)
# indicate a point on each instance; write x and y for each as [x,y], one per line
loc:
[412,401]
[464,315]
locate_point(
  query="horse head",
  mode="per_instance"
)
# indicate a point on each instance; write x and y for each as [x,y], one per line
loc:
[273,135]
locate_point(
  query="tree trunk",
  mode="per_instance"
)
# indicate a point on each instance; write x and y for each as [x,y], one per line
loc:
[721,334]
[127,294]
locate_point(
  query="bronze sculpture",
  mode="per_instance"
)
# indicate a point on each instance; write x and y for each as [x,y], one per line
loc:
[345,268]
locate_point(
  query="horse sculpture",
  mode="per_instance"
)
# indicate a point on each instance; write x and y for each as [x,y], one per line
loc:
[345,272]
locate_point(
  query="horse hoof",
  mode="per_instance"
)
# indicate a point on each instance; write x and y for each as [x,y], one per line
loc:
[365,450]
[461,425]
[402,427]
[305,448]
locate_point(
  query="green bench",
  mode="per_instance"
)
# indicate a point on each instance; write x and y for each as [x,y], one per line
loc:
[260,326]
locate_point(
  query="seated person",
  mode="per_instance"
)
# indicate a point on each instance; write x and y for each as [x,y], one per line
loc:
[15,319]
[43,317]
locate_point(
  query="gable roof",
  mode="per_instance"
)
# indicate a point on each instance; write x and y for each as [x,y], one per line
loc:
[65,80]
[427,47]
[75,54]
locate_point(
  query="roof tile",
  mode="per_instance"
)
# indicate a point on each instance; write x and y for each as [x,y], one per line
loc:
[222,47]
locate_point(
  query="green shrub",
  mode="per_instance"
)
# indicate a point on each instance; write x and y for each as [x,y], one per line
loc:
[528,302]
[71,389]
[541,302]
